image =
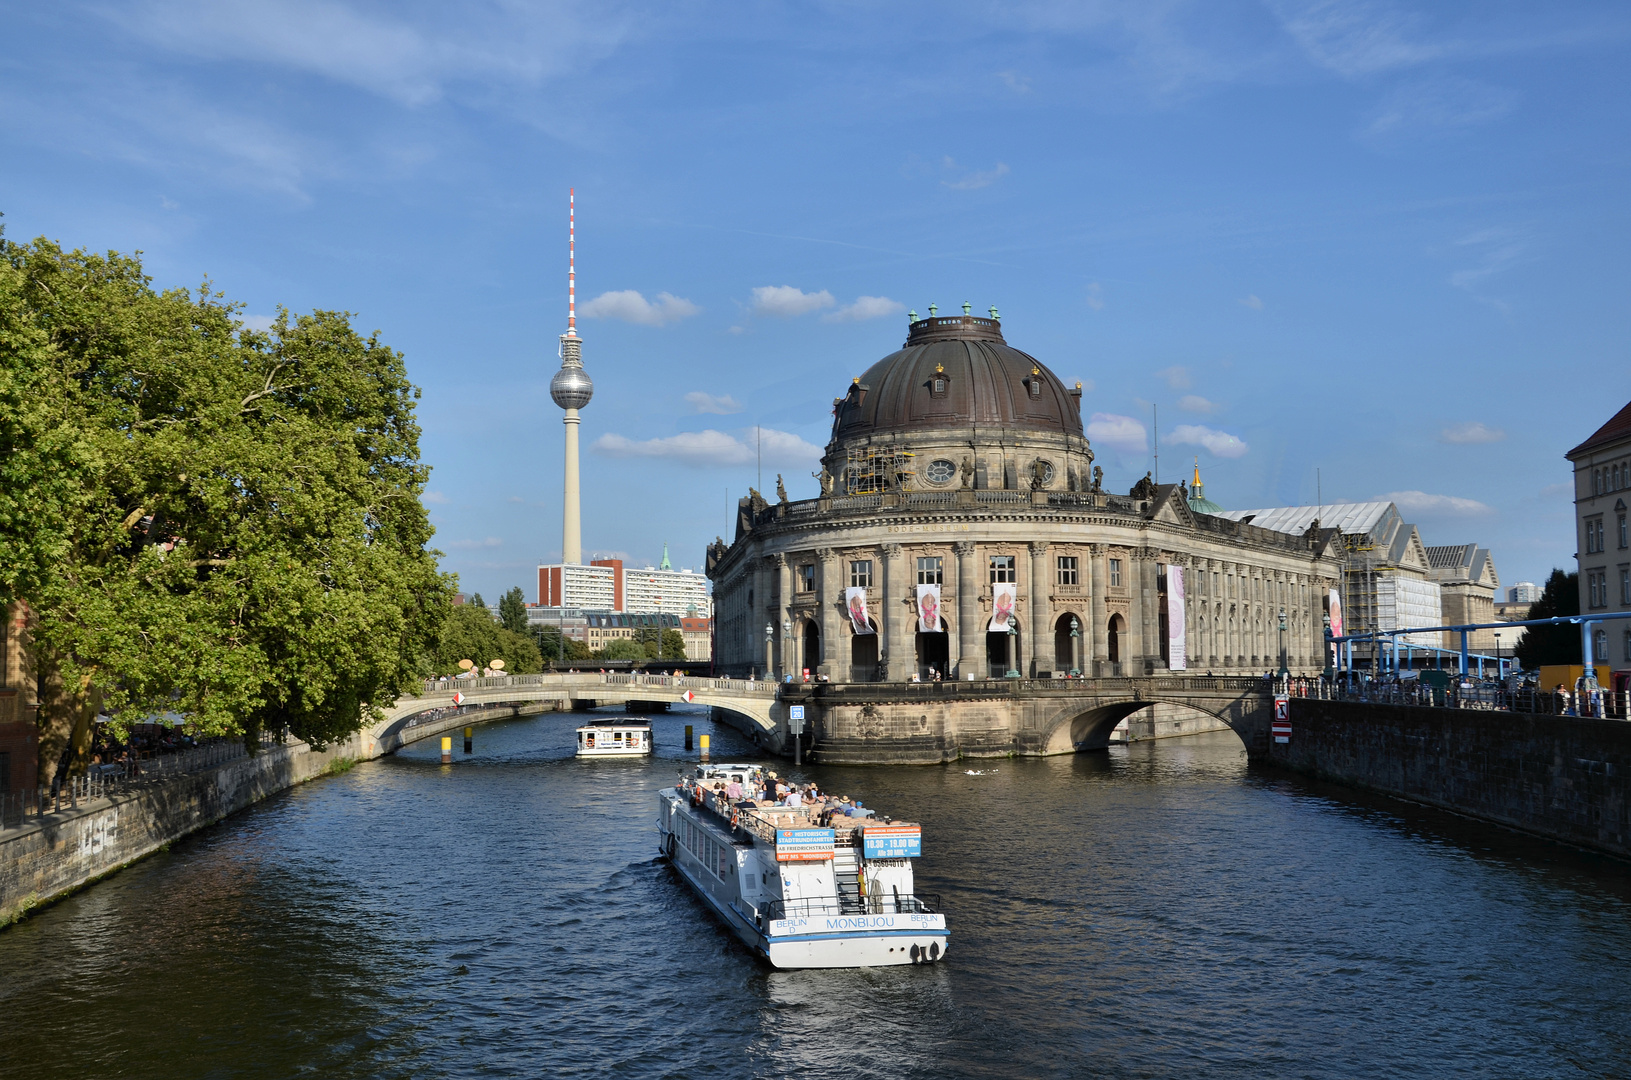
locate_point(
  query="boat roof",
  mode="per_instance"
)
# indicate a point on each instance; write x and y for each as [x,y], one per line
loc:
[616,723]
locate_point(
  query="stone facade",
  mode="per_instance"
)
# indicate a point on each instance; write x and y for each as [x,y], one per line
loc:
[1602,501]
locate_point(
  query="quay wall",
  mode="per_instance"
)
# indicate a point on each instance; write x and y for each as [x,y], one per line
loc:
[1563,777]
[57,854]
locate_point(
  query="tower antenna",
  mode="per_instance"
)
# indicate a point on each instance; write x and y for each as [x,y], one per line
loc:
[1155,426]
[571,389]
[571,262]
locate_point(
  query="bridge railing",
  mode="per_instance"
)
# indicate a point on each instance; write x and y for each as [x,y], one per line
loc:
[580,680]
[1472,695]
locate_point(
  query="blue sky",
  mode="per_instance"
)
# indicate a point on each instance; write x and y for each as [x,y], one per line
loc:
[1384,241]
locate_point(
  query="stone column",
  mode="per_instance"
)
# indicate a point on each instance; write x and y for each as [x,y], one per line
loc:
[1146,601]
[970,635]
[897,622]
[1095,646]
[829,598]
[1040,587]
[784,610]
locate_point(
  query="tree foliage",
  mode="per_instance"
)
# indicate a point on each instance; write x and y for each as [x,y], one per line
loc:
[202,517]
[548,639]
[512,611]
[1559,644]
[621,649]
[471,634]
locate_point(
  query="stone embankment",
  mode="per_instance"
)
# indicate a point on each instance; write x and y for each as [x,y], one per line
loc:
[1563,777]
[50,856]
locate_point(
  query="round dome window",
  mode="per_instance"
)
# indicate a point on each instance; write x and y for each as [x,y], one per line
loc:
[940,471]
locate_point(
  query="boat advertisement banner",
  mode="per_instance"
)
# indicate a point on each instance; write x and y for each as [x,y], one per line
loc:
[1002,606]
[916,923]
[892,841]
[855,604]
[928,609]
[1177,640]
[804,845]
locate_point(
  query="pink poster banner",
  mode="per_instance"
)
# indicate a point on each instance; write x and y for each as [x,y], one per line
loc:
[928,608]
[1177,639]
[1336,614]
[855,603]
[1003,598]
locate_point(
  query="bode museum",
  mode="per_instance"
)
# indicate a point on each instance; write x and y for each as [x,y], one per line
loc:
[963,531]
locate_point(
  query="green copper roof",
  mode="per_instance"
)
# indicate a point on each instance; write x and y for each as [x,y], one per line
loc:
[666,565]
[1202,505]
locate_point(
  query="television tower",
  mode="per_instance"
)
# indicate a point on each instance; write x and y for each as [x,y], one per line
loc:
[571,388]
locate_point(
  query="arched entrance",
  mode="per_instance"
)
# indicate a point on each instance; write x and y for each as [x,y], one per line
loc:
[810,651]
[1064,646]
[863,664]
[1091,728]
[998,662]
[1112,638]
[934,653]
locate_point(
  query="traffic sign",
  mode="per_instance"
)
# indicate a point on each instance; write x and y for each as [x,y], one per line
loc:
[688,697]
[795,719]
[1281,728]
[458,697]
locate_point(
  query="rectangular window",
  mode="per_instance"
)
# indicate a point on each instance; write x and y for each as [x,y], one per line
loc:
[1628,644]
[1625,585]
[860,574]
[1115,572]
[1002,569]
[806,576]
[931,570]
[1623,537]
[1068,574]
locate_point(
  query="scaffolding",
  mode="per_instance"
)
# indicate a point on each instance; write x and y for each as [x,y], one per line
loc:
[870,470]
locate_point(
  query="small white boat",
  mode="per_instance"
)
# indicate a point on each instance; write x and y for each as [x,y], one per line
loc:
[614,738]
[812,886]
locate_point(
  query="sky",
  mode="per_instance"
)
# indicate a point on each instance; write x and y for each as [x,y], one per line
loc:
[1343,251]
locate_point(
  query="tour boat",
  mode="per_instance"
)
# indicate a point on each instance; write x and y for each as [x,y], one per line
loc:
[822,885]
[614,738]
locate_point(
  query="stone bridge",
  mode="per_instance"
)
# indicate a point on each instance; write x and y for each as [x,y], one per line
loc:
[746,704]
[875,723]
[858,723]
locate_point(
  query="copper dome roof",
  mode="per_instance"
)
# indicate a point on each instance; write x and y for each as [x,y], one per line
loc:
[983,381]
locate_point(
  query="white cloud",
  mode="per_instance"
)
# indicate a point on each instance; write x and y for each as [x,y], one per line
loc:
[1252,302]
[1117,432]
[974,180]
[515,499]
[1420,502]
[490,542]
[1196,404]
[434,497]
[1218,443]
[866,307]
[1176,377]
[1355,39]
[712,447]
[1095,297]
[263,323]
[1472,431]
[1019,84]
[707,403]
[631,306]
[784,301]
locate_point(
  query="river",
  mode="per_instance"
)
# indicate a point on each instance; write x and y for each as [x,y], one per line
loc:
[1159,910]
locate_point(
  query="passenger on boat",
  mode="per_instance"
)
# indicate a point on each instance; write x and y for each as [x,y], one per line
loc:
[793,798]
[733,790]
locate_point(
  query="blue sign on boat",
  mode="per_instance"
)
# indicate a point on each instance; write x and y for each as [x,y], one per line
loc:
[892,841]
[804,845]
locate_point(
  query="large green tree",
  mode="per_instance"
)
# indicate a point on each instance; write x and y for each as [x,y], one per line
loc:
[202,517]
[512,611]
[1558,644]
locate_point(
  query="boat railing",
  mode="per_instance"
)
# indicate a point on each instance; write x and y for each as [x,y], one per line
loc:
[801,907]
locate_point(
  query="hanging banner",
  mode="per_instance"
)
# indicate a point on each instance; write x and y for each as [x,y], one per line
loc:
[1177,640]
[1336,614]
[1002,606]
[928,609]
[855,601]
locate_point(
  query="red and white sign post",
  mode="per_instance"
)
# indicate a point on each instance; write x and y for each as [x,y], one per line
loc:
[1281,727]
[458,697]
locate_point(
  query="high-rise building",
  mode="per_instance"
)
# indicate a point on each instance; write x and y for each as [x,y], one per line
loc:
[607,585]
[1524,592]
[663,588]
[571,389]
[597,586]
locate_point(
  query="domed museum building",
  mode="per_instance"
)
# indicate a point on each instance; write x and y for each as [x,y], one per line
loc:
[963,531]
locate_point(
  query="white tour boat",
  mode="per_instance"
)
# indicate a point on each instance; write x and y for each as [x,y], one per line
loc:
[810,886]
[614,738]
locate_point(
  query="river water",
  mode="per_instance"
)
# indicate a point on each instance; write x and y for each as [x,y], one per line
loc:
[1154,911]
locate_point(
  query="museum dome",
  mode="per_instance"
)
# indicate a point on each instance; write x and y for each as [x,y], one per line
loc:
[957,372]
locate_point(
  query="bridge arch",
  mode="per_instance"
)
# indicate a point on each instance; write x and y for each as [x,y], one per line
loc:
[1085,726]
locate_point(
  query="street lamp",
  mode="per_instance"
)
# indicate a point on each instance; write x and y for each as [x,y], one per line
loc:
[1013,648]
[1500,671]
[770,644]
[1075,647]
[1330,658]
[787,644]
[1285,672]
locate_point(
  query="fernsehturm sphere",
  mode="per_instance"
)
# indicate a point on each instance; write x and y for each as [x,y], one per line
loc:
[571,388]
